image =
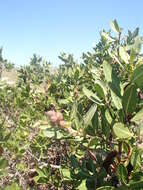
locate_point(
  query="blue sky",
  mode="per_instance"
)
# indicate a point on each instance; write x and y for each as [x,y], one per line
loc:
[48,27]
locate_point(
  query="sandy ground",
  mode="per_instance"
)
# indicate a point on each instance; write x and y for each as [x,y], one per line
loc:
[9,77]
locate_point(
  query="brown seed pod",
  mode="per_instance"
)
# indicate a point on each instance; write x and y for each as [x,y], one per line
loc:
[51,113]
[62,123]
[59,116]
[53,119]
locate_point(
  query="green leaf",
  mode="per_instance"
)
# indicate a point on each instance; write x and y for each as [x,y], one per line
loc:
[116,100]
[136,176]
[40,172]
[92,96]
[53,133]
[123,187]
[89,115]
[63,101]
[112,79]
[137,76]
[136,159]
[13,186]
[136,46]
[138,118]
[138,185]
[113,56]
[21,167]
[122,173]
[114,84]
[132,56]
[94,142]
[107,69]
[136,32]
[104,124]
[140,130]
[114,26]
[101,88]
[108,117]
[124,55]
[121,131]
[3,163]
[90,130]
[82,185]
[66,173]
[130,99]
[74,161]
[95,121]
[106,188]
[40,175]
[107,37]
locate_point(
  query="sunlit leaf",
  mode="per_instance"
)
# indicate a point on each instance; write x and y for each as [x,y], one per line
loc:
[122,173]
[121,131]
[3,163]
[124,55]
[114,26]
[82,185]
[89,115]
[136,159]
[137,76]
[107,36]
[138,118]
[130,99]
[106,188]
[92,96]
[13,186]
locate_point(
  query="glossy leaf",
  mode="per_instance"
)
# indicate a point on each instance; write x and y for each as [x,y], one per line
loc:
[116,100]
[122,173]
[3,163]
[138,118]
[108,117]
[114,26]
[100,88]
[114,84]
[89,115]
[13,186]
[136,159]
[104,124]
[82,185]
[137,76]
[124,55]
[92,96]
[121,131]
[66,173]
[107,37]
[107,69]
[130,99]
[138,185]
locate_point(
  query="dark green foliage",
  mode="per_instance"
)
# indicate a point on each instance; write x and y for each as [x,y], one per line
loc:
[100,146]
